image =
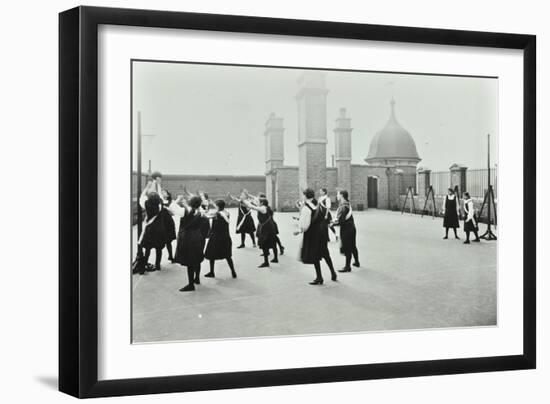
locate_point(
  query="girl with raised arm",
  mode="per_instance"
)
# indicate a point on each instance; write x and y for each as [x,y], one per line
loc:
[266,230]
[168,223]
[219,244]
[245,222]
[152,235]
[314,240]
[190,245]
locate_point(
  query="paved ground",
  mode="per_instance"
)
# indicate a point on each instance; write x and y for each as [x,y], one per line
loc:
[410,278]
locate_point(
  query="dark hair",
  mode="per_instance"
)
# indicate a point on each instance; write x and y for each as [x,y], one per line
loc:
[309,193]
[152,195]
[220,203]
[324,190]
[345,194]
[466,194]
[205,195]
[156,174]
[195,202]
[169,195]
[261,195]
[452,190]
[264,202]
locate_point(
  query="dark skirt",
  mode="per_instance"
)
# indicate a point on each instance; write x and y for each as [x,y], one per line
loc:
[312,242]
[169,226]
[218,247]
[348,235]
[266,234]
[248,225]
[190,247]
[450,219]
[153,234]
[469,225]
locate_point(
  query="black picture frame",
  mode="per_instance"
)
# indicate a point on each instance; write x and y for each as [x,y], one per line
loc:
[78,196]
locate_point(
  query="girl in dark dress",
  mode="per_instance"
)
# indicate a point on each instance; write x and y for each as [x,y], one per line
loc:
[315,236]
[450,213]
[276,228]
[152,235]
[267,238]
[245,222]
[344,219]
[168,223]
[219,245]
[470,221]
[190,245]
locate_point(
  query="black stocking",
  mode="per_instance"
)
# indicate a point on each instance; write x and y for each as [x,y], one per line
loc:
[212,262]
[328,260]
[198,274]
[348,260]
[253,238]
[243,235]
[231,266]
[191,277]
[454,229]
[446,232]
[355,255]
[158,257]
[318,275]
[169,248]
[275,256]
[146,256]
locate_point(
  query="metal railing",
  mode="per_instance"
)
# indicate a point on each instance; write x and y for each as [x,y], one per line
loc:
[440,181]
[476,182]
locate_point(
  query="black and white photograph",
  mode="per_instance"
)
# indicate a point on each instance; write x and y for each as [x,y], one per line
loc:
[273,201]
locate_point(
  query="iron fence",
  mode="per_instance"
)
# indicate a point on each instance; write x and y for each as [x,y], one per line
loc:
[477,182]
[440,181]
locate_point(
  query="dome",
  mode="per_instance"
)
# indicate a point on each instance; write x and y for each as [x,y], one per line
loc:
[393,142]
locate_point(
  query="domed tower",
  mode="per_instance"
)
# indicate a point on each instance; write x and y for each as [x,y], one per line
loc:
[393,146]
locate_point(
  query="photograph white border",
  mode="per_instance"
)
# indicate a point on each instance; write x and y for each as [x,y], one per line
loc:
[119,359]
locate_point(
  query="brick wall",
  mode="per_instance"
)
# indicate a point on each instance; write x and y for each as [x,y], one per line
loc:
[358,190]
[217,186]
[312,165]
[332,183]
[287,189]
[344,174]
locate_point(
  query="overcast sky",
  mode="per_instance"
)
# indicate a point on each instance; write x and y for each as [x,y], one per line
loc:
[211,119]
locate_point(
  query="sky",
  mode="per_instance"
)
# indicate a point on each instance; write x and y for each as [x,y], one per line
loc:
[210,119]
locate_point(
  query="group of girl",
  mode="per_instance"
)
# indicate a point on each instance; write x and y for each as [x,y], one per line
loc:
[451,214]
[199,223]
[204,231]
[315,222]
